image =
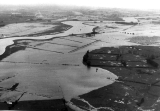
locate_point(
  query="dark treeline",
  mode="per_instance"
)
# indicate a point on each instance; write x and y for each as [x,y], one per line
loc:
[127,23]
[85,59]
[152,62]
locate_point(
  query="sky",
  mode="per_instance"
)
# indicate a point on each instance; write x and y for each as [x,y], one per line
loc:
[130,4]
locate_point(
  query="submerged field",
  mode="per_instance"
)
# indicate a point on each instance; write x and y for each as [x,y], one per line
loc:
[145,40]
[54,73]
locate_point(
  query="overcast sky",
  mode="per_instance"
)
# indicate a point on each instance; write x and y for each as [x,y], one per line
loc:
[132,4]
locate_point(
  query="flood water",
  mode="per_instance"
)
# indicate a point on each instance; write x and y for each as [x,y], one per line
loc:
[64,75]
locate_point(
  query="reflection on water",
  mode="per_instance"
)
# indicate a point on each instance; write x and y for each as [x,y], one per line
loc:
[79,80]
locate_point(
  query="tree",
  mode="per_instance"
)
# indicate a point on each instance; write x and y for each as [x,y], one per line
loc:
[85,57]
[124,63]
[151,62]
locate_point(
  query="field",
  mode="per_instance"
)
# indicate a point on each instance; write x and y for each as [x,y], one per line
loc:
[145,40]
[137,68]
[8,18]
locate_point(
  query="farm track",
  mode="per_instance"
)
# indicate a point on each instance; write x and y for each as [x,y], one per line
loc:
[79,48]
[130,27]
[41,49]
[70,40]
[91,39]
[61,44]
